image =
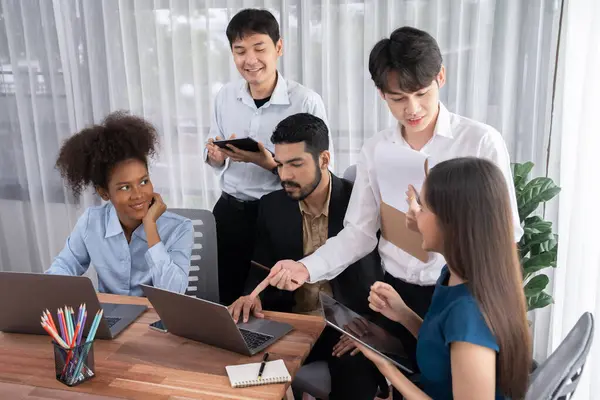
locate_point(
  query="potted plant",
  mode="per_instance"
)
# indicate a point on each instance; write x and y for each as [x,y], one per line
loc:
[538,245]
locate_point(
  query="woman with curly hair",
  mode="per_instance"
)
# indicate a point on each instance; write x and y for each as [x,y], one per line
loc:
[131,239]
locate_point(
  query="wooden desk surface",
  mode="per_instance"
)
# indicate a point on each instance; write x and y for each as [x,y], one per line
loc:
[145,364]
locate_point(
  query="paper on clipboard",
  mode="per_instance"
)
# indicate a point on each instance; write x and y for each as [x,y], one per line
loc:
[397,167]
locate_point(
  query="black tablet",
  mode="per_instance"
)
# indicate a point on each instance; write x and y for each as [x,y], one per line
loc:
[246,144]
[367,333]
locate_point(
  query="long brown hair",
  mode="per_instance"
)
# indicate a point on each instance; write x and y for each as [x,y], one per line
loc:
[470,198]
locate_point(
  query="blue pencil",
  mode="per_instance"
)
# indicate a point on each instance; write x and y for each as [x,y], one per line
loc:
[88,342]
[94,327]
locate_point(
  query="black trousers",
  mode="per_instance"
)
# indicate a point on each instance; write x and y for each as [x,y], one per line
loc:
[417,298]
[236,230]
[352,377]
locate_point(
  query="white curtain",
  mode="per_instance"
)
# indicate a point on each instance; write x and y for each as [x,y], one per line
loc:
[575,149]
[65,64]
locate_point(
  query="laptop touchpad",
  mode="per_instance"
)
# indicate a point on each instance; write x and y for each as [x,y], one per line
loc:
[109,308]
[255,324]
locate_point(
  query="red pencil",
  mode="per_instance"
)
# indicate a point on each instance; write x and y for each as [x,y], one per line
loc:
[54,335]
[50,319]
[45,317]
[74,340]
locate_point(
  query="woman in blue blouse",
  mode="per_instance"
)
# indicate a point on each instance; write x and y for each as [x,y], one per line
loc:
[131,239]
[474,341]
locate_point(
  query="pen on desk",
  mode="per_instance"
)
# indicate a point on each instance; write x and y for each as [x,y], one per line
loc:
[262,366]
[268,269]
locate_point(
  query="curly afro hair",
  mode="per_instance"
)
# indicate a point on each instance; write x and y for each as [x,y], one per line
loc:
[89,156]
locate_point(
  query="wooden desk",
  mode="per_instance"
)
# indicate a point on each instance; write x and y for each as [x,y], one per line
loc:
[145,364]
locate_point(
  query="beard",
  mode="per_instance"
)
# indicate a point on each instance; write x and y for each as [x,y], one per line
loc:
[306,190]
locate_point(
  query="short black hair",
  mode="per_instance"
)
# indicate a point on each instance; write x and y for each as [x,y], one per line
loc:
[303,127]
[89,156]
[412,54]
[252,20]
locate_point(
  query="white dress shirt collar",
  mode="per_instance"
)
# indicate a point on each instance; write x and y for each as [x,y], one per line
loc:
[279,96]
[442,125]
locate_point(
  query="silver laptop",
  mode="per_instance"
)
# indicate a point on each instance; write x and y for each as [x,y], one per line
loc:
[211,323]
[343,319]
[24,296]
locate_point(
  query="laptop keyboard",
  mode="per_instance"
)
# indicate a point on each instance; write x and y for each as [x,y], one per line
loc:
[254,339]
[111,321]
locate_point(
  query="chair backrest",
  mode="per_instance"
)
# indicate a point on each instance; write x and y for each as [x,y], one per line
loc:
[558,376]
[350,173]
[204,273]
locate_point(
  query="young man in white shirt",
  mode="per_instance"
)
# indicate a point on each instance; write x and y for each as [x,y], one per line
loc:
[408,72]
[251,107]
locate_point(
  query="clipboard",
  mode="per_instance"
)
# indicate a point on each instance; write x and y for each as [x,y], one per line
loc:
[398,166]
[394,230]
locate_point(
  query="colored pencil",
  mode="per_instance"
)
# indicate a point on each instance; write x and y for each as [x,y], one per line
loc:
[63,324]
[88,342]
[72,344]
[94,327]
[73,319]
[67,318]
[82,327]
[54,335]
[49,317]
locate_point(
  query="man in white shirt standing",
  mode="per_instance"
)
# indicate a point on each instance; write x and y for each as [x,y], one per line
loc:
[251,107]
[408,72]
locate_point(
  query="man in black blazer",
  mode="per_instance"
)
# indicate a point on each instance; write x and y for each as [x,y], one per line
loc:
[280,233]
[292,223]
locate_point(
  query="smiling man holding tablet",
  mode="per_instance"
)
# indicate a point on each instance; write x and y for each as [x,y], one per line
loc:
[249,108]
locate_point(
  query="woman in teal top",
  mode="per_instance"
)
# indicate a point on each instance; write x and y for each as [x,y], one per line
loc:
[474,341]
[131,239]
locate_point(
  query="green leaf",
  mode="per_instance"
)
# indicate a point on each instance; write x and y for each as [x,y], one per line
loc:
[531,242]
[536,191]
[520,173]
[539,262]
[538,247]
[536,225]
[536,285]
[550,245]
[539,301]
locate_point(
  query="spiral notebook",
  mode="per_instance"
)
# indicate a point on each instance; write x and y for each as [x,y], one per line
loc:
[246,374]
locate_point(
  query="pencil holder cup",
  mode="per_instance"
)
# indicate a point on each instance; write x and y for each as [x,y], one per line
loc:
[76,365]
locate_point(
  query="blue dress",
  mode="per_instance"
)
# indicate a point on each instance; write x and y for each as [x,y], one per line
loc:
[453,316]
